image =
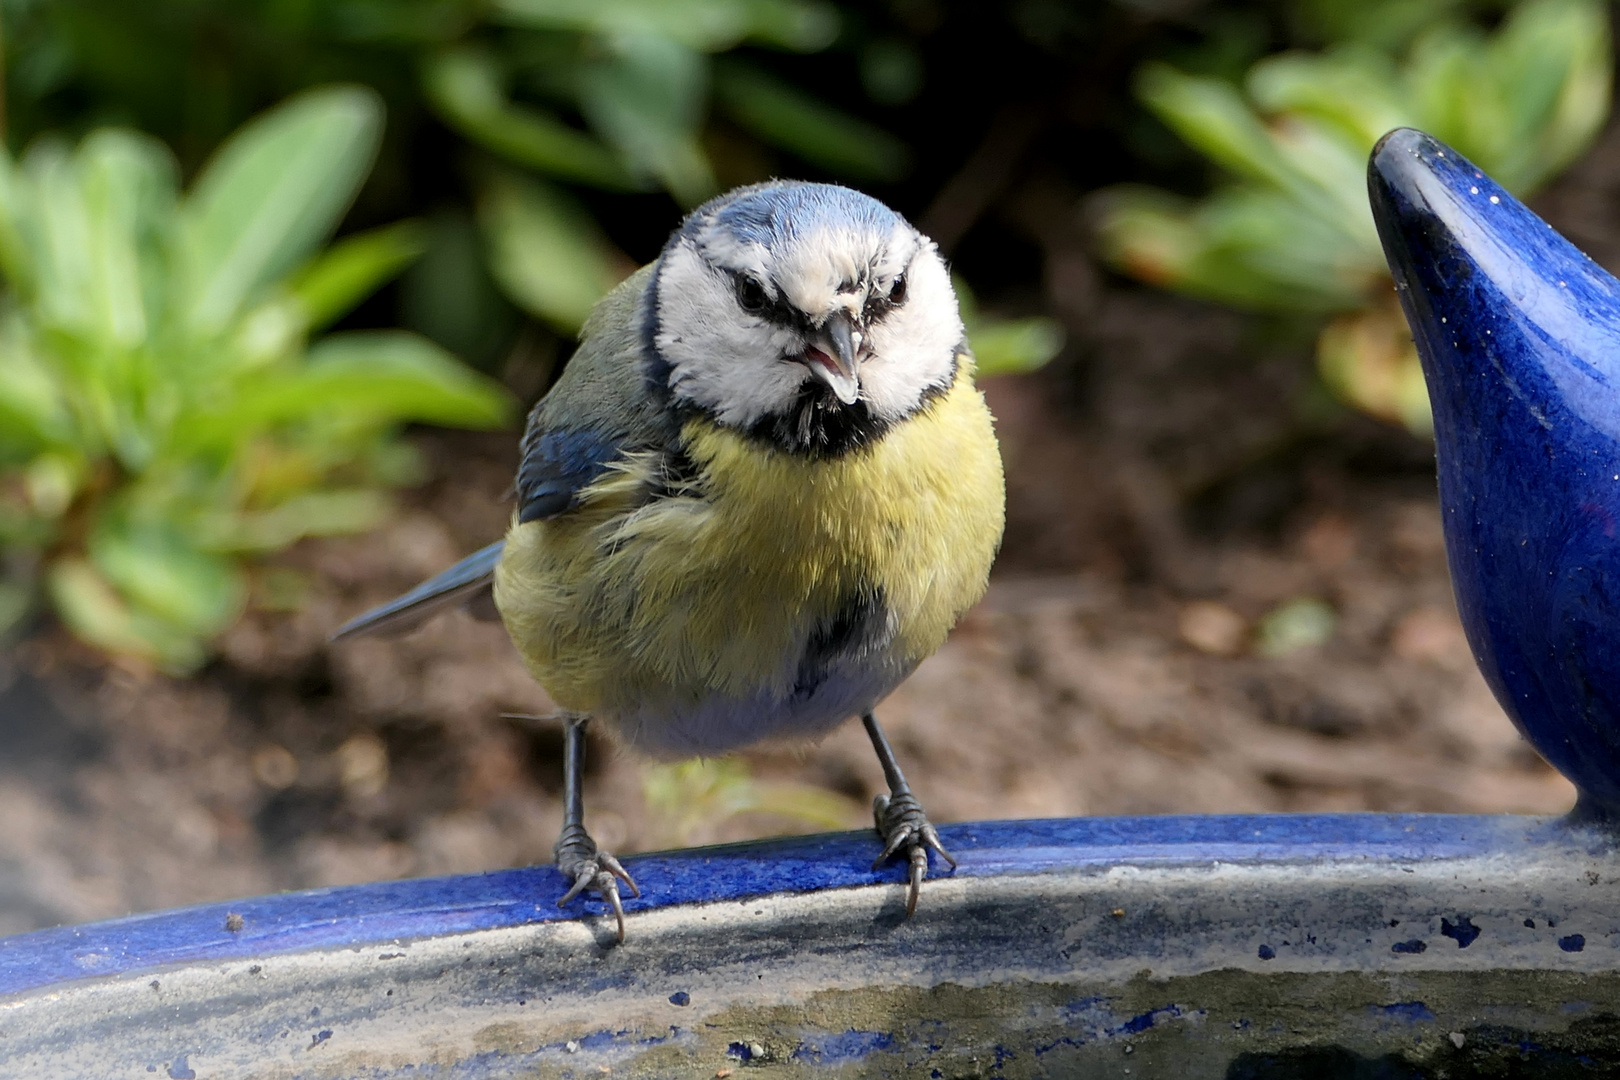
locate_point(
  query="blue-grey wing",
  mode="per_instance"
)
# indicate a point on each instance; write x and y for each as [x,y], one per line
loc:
[467,583]
[557,464]
[600,409]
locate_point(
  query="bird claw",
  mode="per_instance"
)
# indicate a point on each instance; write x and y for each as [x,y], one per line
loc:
[592,869]
[901,823]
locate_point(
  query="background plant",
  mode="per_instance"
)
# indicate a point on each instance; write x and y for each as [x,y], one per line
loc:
[543,102]
[1289,229]
[163,412]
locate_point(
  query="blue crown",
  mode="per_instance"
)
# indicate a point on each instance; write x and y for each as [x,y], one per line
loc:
[781,211]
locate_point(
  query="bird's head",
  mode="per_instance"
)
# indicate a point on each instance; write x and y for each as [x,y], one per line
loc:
[808,314]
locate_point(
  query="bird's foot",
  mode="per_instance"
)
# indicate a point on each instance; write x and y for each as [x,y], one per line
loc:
[589,867]
[901,823]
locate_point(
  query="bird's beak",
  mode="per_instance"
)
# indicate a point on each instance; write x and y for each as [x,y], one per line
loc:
[832,356]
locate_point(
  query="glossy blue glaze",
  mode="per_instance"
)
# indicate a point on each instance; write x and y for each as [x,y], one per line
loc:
[1520,338]
[361,915]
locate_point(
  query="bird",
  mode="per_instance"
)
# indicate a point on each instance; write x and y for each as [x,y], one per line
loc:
[763,489]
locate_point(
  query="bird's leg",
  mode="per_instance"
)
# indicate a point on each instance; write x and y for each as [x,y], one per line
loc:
[900,820]
[578,857]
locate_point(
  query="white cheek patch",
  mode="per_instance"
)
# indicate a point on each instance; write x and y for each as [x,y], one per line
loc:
[740,368]
[723,360]
[913,347]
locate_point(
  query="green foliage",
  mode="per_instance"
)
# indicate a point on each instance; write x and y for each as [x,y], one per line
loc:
[161,413]
[785,116]
[640,74]
[1007,346]
[1291,231]
[545,250]
[618,96]
[1304,622]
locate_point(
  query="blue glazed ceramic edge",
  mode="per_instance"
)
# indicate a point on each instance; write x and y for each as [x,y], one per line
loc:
[1519,334]
[355,916]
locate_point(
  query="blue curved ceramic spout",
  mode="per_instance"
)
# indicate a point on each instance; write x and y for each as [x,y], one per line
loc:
[1520,338]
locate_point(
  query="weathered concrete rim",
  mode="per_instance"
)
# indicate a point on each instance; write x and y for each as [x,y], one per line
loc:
[358,916]
[1139,947]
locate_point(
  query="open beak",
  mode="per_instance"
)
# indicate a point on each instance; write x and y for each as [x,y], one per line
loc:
[831,354]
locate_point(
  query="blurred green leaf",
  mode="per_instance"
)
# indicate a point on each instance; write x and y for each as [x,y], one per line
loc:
[645,95]
[787,117]
[1245,247]
[1290,229]
[161,410]
[271,194]
[1212,116]
[353,269]
[1367,359]
[1381,24]
[89,606]
[1358,90]
[33,412]
[450,295]
[705,25]
[127,182]
[317,513]
[545,251]
[162,572]
[465,88]
[1301,623]
[52,480]
[375,376]
[58,232]
[1552,69]
[14,604]
[95,612]
[16,210]
[1015,346]
[1006,346]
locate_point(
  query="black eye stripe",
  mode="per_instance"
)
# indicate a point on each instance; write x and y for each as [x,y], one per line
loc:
[878,305]
[754,300]
[777,310]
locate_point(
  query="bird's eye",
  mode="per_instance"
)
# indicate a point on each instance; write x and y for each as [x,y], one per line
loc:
[897,291]
[751,295]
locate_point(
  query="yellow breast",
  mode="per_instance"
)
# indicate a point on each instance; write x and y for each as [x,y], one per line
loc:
[625,605]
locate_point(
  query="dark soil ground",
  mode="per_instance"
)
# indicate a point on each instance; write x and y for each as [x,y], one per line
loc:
[1172,480]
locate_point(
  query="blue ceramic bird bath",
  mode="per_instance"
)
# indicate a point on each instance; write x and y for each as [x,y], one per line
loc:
[1245,948]
[1520,339]
[1189,947]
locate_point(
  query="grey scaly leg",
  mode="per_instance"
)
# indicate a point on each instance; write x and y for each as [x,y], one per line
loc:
[900,820]
[578,857]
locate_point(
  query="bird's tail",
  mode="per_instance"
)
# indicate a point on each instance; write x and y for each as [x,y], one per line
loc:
[468,583]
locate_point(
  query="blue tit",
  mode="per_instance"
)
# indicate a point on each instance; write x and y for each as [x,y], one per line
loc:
[762,491]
